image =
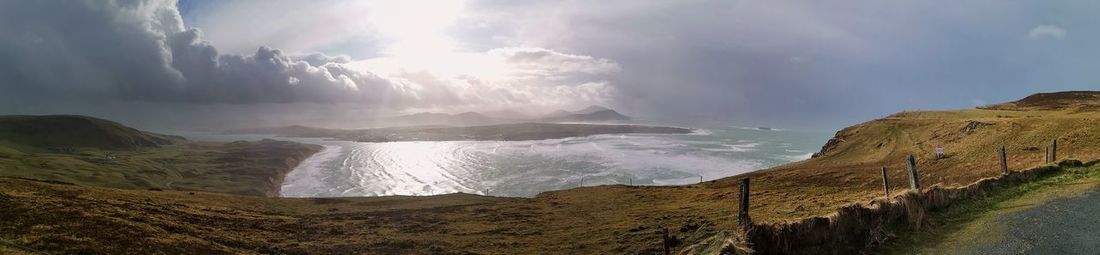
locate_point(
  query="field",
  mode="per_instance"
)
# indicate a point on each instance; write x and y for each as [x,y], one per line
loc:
[612,219]
[248,168]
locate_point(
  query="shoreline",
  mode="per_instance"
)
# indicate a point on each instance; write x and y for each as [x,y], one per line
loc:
[335,180]
[301,163]
[280,178]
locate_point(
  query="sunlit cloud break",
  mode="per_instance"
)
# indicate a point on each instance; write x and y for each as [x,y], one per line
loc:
[776,63]
[143,51]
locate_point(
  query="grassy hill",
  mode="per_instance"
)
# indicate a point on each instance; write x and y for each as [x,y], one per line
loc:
[1075,101]
[73,131]
[613,219]
[95,152]
[848,166]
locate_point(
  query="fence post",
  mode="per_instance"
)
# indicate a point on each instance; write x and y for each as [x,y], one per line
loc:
[743,213]
[1053,150]
[666,241]
[631,181]
[1004,160]
[914,178]
[885,183]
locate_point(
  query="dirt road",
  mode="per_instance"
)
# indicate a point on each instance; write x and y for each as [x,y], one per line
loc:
[1062,224]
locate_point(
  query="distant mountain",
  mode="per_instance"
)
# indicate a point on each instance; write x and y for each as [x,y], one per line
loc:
[65,132]
[507,115]
[589,114]
[429,119]
[470,118]
[435,119]
[592,109]
[557,114]
[292,131]
[606,115]
[497,132]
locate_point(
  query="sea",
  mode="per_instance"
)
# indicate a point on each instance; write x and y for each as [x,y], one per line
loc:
[526,168]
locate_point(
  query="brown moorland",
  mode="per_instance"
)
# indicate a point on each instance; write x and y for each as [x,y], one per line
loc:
[612,219]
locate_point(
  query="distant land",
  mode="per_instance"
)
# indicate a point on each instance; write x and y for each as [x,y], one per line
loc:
[96,152]
[510,126]
[589,114]
[500,132]
[63,131]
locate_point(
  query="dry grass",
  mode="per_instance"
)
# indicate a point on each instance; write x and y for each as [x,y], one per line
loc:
[850,172]
[248,168]
[612,219]
[861,227]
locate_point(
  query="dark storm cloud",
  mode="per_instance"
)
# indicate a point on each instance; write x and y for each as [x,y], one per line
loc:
[140,50]
[824,63]
[786,63]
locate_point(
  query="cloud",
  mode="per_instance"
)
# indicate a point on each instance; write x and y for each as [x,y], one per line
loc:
[776,63]
[509,77]
[1046,32]
[800,63]
[142,51]
[294,26]
[546,62]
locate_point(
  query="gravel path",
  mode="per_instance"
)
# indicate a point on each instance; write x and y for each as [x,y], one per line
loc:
[1067,225]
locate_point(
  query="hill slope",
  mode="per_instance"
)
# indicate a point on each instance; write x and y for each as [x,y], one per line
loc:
[76,131]
[96,152]
[847,169]
[1078,101]
[590,115]
[432,119]
[613,219]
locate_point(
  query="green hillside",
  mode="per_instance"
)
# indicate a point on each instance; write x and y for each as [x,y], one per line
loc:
[95,152]
[67,132]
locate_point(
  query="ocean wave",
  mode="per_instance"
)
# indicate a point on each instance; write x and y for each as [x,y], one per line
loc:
[758,128]
[525,168]
[799,157]
[700,131]
[744,147]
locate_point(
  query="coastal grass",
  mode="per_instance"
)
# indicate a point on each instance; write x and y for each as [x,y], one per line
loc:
[954,222]
[611,219]
[250,168]
[849,171]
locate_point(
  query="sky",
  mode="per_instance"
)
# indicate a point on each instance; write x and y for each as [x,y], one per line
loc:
[820,65]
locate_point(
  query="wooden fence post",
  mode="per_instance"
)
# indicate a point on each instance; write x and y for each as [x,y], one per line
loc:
[743,213]
[1004,160]
[914,178]
[885,183]
[666,241]
[1053,151]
